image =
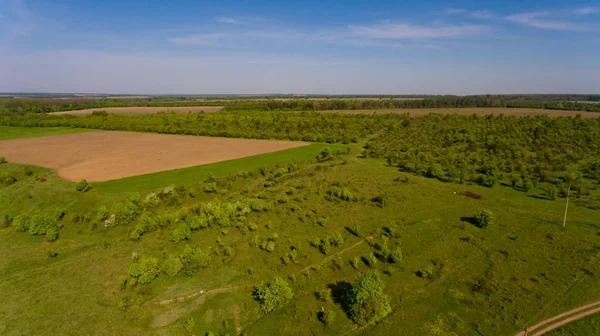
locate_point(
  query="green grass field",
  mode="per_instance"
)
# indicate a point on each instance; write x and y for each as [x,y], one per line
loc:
[7,132]
[197,174]
[483,281]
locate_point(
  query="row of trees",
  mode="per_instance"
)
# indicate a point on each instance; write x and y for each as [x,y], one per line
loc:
[306,126]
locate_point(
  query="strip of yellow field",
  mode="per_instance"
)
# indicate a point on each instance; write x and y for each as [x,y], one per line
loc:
[518,112]
[145,110]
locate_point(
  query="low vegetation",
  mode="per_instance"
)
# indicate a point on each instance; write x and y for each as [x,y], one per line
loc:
[363,237]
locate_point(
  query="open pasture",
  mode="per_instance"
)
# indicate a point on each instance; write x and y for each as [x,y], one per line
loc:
[518,112]
[145,110]
[103,156]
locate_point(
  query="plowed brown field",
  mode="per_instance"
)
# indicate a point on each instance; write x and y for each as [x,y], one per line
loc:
[103,156]
[145,110]
[519,112]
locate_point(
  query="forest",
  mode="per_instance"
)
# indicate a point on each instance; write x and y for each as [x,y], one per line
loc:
[525,153]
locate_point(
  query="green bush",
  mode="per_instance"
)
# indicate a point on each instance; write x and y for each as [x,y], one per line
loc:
[273,295]
[172,266]
[52,233]
[396,255]
[2,160]
[21,223]
[102,213]
[341,193]
[325,155]
[182,232]
[7,179]
[149,270]
[367,303]
[152,200]
[194,259]
[37,225]
[83,186]
[189,324]
[484,217]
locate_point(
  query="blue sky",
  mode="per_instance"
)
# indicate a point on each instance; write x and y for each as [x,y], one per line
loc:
[336,47]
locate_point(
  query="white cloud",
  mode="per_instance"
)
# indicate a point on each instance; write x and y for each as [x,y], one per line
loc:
[408,31]
[229,20]
[483,15]
[587,10]
[543,20]
[453,11]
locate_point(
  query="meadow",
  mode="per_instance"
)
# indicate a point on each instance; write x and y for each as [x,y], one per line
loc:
[386,224]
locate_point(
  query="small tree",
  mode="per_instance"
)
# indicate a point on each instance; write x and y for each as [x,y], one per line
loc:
[552,191]
[189,324]
[367,302]
[273,295]
[172,266]
[325,155]
[484,217]
[83,186]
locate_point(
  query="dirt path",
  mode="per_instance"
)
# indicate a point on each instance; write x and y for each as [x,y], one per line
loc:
[226,289]
[571,315]
[336,254]
[194,295]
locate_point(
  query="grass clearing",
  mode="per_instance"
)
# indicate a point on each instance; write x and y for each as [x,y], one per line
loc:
[197,174]
[8,132]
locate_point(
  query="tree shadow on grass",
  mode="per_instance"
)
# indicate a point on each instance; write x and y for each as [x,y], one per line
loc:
[340,293]
[546,198]
[470,220]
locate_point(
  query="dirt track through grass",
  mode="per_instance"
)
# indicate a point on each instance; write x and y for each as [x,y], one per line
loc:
[564,318]
[104,156]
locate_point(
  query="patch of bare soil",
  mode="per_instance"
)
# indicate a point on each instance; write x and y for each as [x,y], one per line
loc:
[145,110]
[104,156]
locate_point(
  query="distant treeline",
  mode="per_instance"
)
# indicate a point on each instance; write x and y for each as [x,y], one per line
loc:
[437,102]
[46,105]
[555,102]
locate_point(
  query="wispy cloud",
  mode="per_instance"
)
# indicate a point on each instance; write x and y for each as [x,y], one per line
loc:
[228,20]
[453,11]
[199,39]
[587,10]
[391,35]
[544,20]
[410,32]
[483,15]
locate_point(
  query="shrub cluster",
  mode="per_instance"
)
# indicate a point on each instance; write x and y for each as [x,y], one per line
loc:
[324,244]
[273,295]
